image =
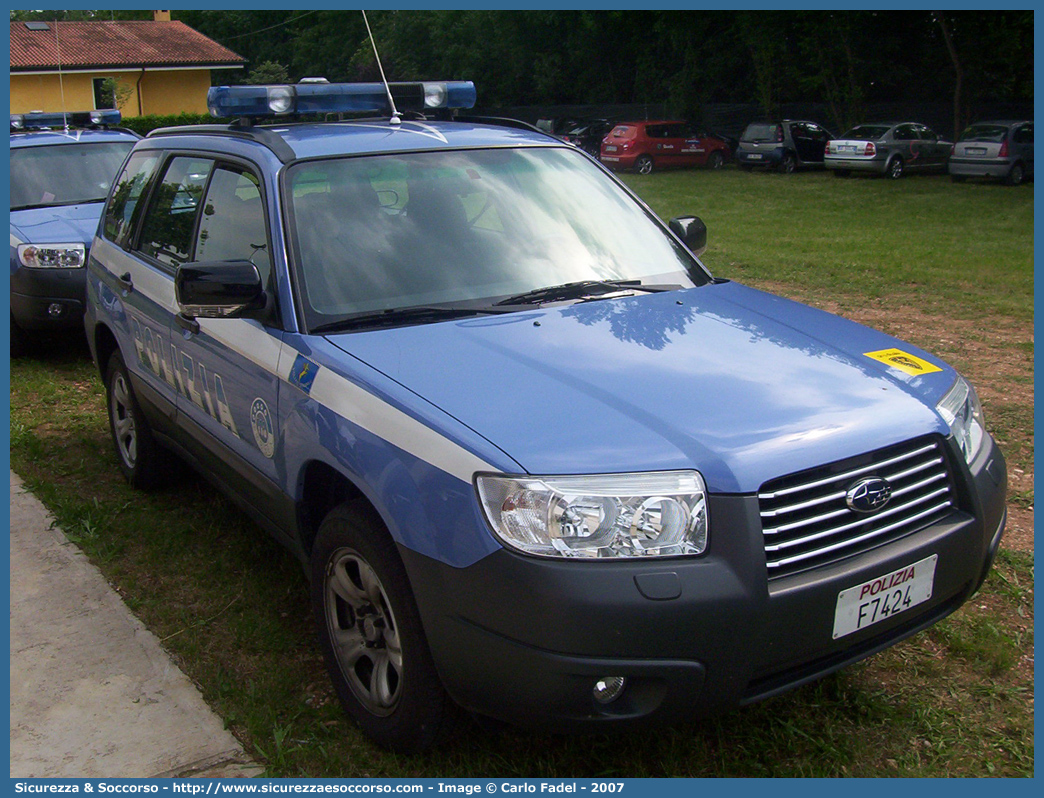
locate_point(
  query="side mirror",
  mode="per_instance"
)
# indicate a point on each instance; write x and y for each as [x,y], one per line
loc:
[218,289]
[692,231]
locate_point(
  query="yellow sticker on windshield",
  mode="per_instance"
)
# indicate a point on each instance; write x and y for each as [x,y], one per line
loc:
[897,358]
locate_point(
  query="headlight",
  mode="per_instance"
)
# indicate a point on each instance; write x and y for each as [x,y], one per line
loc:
[960,409]
[611,515]
[52,256]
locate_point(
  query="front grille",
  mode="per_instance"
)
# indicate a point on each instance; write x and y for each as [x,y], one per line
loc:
[807,522]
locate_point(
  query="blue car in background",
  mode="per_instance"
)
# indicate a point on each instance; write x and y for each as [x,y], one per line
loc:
[538,462]
[60,177]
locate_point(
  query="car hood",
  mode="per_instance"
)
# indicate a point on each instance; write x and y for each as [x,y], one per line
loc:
[63,224]
[743,386]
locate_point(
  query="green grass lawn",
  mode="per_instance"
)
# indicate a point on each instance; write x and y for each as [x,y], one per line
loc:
[920,240]
[232,606]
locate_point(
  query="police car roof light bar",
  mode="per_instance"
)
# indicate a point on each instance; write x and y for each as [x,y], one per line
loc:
[325,98]
[38,119]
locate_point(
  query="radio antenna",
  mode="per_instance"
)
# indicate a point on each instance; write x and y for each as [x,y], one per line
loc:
[395,118]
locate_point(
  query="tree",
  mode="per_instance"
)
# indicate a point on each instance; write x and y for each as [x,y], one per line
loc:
[268,72]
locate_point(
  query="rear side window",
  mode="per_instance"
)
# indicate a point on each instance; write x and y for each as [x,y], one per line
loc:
[623,132]
[762,132]
[905,133]
[170,221]
[131,184]
[232,226]
[1024,135]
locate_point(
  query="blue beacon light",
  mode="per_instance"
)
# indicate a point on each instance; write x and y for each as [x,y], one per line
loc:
[318,98]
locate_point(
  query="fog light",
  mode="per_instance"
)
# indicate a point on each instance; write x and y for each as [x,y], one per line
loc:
[54,310]
[609,688]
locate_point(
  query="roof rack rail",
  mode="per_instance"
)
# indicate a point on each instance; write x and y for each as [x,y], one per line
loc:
[502,121]
[261,135]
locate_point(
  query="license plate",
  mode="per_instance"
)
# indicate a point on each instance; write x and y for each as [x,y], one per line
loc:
[754,156]
[976,151]
[610,148]
[884,597]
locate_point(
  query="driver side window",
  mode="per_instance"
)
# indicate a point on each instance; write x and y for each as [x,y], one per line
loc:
[232,226]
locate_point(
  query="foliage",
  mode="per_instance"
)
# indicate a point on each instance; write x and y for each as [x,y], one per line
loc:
[115,93]
[144,124]
[268,72]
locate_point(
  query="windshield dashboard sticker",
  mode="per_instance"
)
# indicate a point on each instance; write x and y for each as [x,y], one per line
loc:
[302,373]
[897,358]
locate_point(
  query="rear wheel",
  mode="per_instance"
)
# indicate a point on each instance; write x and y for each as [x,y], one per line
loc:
[716,160]
[788,164]
[1016,175]
[644,165]
[895,168]
[371,634]
[140,458]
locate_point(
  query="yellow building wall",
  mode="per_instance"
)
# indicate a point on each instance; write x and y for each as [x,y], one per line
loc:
[175,92]
[162,92]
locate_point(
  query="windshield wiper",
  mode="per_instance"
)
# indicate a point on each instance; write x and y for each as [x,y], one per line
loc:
[39,205]
[418,314]
[579,290]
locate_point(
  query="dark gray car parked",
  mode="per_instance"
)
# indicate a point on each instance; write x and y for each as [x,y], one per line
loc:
[1001,150]
[887,148]
[785,145]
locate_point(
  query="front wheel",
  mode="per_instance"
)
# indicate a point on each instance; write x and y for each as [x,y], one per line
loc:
[644,165]
[139,456]
[371,634]
[895,168]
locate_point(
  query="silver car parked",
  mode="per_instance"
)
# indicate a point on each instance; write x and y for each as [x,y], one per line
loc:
[1002,150]
[887,148]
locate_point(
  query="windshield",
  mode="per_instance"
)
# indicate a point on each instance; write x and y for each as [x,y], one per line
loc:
[758,132]
[402,230]
[64,174]
[985,133]
[866,132]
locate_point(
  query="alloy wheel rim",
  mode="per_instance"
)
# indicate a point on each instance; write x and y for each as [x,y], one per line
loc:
[123,421]
[363,632]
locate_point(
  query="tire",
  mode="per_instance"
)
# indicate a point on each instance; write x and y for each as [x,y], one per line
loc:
[958,178]
[371,634]
[1015,175]
[895,168]
[789,164]
[716,160]
[140,458]
[19,341]
[644,165]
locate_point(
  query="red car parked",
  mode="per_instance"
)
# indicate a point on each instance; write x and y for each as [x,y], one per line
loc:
[645,146]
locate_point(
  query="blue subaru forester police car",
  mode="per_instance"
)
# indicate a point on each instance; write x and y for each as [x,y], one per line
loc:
[62,166]
[538,461]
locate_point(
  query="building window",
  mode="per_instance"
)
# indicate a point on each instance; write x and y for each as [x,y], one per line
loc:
[104,96]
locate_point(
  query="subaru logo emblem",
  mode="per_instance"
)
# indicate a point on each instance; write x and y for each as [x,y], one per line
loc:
[869,495]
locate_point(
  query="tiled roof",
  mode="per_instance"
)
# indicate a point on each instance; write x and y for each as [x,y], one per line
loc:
[114,44]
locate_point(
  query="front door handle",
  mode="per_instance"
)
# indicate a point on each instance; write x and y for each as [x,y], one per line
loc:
[125,282]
